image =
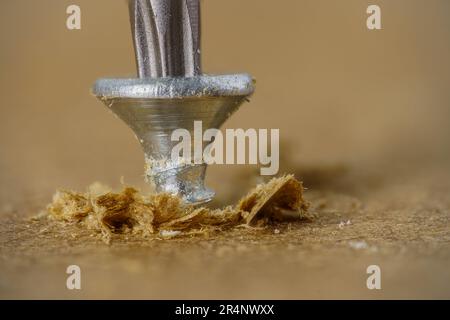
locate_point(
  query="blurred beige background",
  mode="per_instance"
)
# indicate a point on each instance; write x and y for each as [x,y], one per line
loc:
[376,103]
[339,92]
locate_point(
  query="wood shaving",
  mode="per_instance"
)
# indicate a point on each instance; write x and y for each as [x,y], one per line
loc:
[130,212]
[274,200]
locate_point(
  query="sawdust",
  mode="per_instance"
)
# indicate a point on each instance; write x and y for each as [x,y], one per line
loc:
[130,212]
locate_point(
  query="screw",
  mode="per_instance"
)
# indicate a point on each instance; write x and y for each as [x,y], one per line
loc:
[171,92]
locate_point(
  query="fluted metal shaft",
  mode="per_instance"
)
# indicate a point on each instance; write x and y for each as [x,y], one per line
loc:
[166,35]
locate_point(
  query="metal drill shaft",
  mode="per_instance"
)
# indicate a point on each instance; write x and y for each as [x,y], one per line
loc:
[166,36]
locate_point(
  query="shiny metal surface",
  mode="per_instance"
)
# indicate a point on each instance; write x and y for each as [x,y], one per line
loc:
[154,108]
[169,88]
[171,93]
[166,35]
[154,121]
